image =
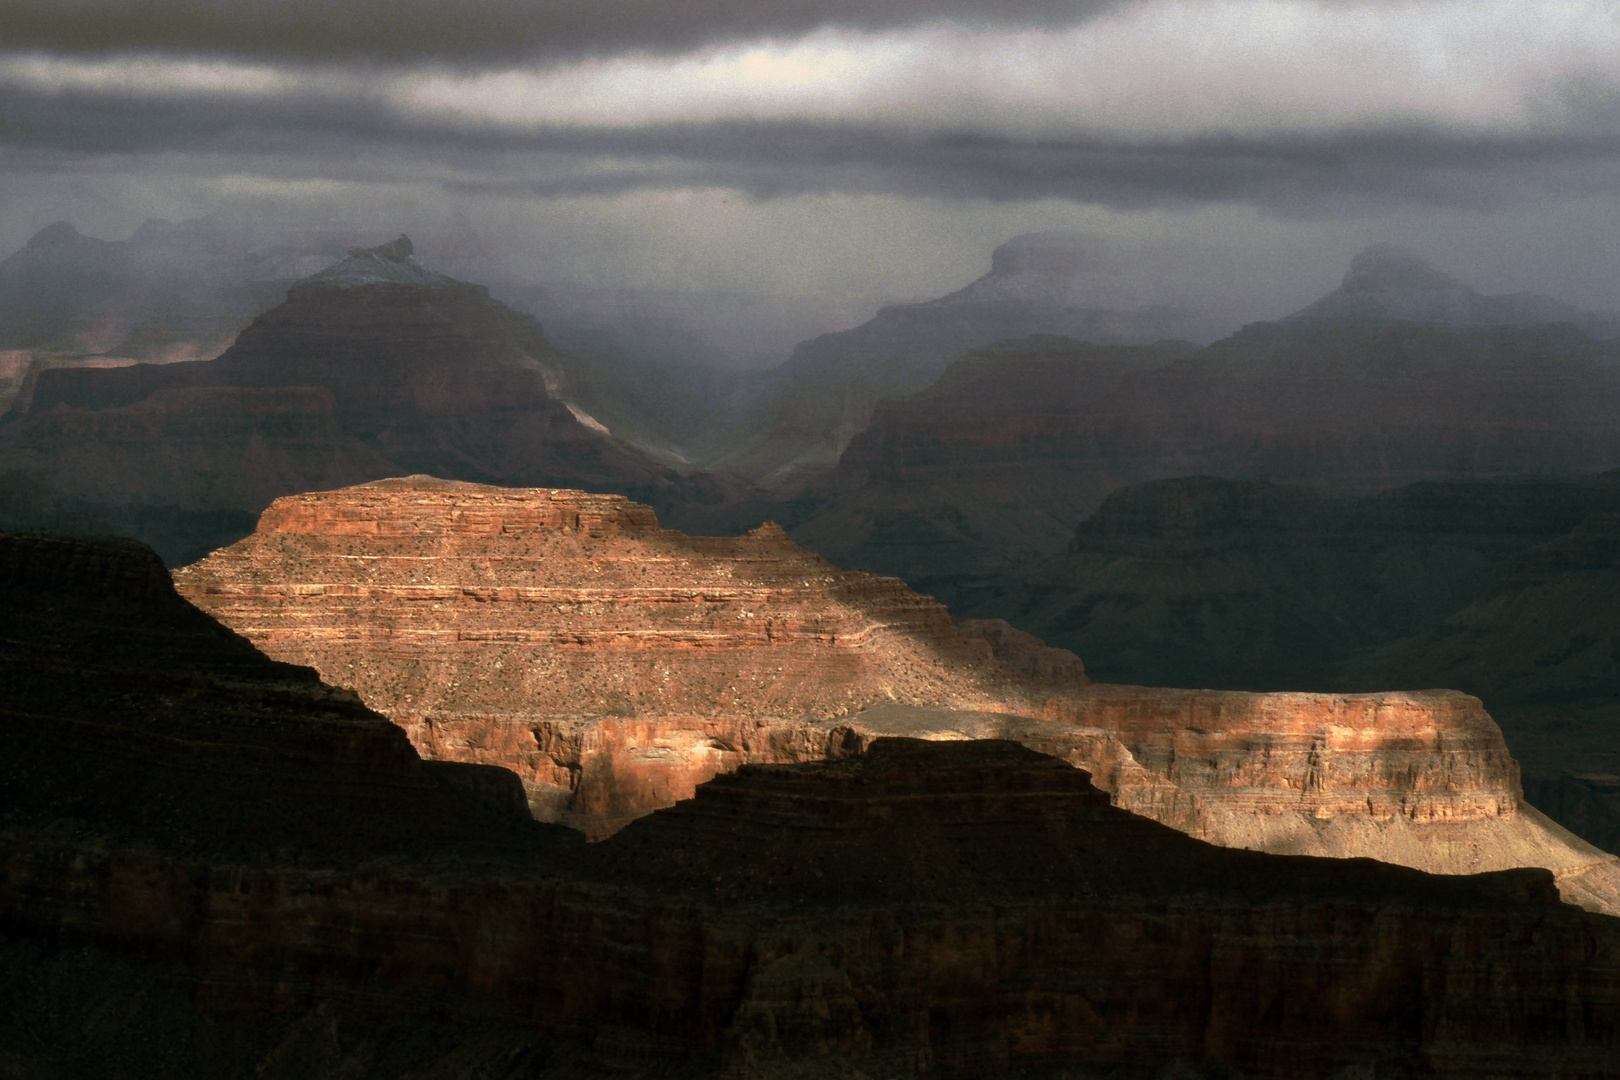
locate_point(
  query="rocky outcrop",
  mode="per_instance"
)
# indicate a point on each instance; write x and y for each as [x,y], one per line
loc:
[614,666]
[1539,645]
[957,909]
[609,662]
[1502,588]
[375,367]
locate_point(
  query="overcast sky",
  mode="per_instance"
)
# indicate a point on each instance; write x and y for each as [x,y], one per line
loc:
[1235,151]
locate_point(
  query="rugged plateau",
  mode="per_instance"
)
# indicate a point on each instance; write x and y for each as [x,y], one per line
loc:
[951,909]
[613,665]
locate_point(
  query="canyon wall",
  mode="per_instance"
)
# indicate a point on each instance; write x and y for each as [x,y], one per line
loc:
[1502,588]
[614,666]
[611,663]
[213,865]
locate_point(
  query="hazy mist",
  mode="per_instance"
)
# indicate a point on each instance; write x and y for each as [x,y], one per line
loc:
[1230,155]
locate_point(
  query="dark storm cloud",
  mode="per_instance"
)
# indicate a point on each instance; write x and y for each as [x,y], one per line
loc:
[1309,173]
[1305,171]
[474,33]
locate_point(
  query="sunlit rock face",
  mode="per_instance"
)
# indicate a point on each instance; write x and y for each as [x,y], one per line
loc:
[1503,588]
[614,665]
[611,663]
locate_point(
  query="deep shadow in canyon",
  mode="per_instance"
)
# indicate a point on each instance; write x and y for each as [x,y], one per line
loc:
[217,865]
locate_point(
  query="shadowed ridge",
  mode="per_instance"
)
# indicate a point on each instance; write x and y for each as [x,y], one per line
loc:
[957,822]
[181,731]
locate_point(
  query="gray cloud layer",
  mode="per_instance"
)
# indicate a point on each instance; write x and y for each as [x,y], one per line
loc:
[1308,172]
[474,34]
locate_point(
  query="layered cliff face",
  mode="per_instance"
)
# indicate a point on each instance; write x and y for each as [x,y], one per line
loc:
[1539,645]
[1502,588]
[614,665]
[374,367]
[491,623]
[958,909]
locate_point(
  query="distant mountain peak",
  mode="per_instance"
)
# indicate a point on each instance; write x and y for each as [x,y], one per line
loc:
[1388,267]
[56,234]
[1051,253]
[1387,282]
[385,264]
[1045,269]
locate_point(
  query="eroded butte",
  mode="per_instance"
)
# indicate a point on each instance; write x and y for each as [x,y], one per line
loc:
[614,665]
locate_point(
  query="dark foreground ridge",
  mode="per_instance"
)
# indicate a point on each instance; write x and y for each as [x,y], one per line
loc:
[211,865]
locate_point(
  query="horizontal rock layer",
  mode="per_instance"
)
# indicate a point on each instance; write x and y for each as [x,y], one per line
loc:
[614,666]
[205,820]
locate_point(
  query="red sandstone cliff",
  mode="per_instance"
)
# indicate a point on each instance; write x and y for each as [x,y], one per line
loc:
[614,665]
[611,663]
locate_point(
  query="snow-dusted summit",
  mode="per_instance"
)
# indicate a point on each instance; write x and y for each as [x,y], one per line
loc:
[385,264]
[1039,269]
